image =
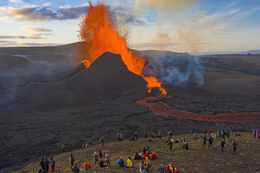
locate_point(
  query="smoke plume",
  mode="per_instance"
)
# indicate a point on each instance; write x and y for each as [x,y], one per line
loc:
[174,68]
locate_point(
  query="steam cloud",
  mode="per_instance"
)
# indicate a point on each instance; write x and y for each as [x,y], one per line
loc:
[174,68]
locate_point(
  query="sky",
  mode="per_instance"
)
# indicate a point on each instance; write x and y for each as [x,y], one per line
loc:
[174,25]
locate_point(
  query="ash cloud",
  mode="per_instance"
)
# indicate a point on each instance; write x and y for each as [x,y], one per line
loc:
[174,68]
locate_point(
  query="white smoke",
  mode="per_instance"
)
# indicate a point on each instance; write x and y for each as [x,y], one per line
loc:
[174,68]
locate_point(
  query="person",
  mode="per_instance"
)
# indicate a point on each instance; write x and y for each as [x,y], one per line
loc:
[144,151]
[137,156]
[210,142]
[148,149]
[107,159]
[83,145]
[254,133]
[183,140]
[171,133]
[195,136]
[87,145]
[101,163]
[176,171]
[95,157]
[228,134]
[100,153]
[46,164]
[209,132]
[219,135]
[161,169]
[222,144]
[153,156]
[223,134]
[86,166]
[151,137]
[159,134]
[168,169]
[142,167]
[121,162]
[170,147]
[121,137]
[42,164]
[204,131]
[136,136]
[52,163]
[63,148]
[147,165]
[71,159]
[172,167]
[145,134]
[40,171]
[204,140]
[75,168]
[132,138]
[185,146]
[146,154]
[102,141]
[234,143]
[118,137]
[129,163]
[257,133]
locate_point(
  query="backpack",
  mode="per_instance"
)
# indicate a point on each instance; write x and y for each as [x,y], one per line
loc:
[52,163]
[148,164]
[168,171]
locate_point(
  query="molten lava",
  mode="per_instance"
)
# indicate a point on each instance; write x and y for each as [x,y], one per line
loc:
[98,34]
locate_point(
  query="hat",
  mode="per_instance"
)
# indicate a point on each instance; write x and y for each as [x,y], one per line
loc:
[129,157]
[99,150]
[107,152]
[121,157]
[95,152]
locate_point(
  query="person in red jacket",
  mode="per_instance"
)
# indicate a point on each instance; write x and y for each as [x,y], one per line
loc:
[153,156]
[146,155]
[209,132]
[172,167]
[168,169]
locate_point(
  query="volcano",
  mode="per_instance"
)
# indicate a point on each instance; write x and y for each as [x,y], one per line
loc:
[108,76]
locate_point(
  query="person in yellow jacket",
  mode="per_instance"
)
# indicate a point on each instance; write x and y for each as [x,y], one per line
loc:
[129,163]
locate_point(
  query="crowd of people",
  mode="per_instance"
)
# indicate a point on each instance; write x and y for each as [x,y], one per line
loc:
[102,158]
[45,165]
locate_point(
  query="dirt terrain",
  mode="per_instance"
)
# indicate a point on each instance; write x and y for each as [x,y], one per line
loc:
[196,159]
[42,109]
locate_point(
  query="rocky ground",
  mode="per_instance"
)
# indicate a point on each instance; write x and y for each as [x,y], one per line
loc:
[39,112]
[196,159]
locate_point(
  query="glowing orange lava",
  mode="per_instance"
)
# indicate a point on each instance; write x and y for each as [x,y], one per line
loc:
[164,109]
[99,34]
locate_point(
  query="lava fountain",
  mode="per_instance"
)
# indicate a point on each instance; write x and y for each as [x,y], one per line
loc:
[98,34]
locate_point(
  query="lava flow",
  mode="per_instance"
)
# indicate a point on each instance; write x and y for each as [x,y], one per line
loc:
[99,34]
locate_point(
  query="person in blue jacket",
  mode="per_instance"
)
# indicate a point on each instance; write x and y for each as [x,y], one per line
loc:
[121,162]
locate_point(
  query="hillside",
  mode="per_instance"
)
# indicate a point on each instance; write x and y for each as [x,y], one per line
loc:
[245,159]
